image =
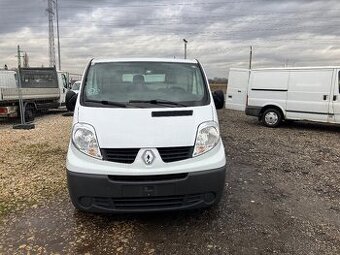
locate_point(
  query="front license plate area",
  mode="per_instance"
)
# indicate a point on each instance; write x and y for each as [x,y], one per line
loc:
[148,190]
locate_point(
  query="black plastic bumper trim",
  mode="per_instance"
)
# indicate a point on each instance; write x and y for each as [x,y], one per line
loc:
[253,111]
[99,193]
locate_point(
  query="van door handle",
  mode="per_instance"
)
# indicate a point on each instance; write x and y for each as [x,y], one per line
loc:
[325,97]
[334,98]
[239,91]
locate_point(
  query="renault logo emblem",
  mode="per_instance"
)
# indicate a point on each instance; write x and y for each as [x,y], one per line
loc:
[148,157]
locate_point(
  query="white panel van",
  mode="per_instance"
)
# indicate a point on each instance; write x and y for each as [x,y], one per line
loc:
[310,93]
[145,137]
[236,95]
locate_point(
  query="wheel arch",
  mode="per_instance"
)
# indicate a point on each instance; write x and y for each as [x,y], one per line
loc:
[272,106]
[30,103]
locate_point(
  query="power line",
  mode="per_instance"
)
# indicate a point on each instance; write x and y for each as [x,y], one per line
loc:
[206,33]
[163,5]
[169,22]
[145,5]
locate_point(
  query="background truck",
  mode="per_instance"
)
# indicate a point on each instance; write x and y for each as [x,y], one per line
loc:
[41,89]
[299,93]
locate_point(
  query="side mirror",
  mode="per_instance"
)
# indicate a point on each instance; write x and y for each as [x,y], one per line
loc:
[218,97]
[70,100]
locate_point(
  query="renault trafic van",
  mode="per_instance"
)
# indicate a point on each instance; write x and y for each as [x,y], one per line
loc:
[145,137]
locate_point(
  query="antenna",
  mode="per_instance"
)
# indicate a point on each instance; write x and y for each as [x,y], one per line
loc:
[58,39]
[50,12]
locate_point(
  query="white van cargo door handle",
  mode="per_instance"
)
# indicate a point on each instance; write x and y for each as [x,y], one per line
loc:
[335,98]
[239,91]
[325,97]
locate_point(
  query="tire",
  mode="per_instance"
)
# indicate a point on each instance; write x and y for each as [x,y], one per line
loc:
[29,113]
[271,118]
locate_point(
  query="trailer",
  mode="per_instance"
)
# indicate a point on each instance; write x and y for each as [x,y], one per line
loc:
[41,89]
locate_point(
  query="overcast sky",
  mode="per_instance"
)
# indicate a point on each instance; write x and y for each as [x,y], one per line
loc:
[219,32]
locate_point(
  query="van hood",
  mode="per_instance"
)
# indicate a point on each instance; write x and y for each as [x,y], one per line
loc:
[138,128]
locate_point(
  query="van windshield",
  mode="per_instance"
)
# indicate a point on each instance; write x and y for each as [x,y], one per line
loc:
[144,84]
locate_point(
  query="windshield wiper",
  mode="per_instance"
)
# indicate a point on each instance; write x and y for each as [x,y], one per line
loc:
[157,101]
[105,102]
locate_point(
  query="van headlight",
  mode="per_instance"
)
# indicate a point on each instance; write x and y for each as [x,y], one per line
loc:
[207,137]
[85,140]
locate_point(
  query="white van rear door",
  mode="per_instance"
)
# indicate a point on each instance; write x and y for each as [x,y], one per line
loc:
[237,89]
[309,94]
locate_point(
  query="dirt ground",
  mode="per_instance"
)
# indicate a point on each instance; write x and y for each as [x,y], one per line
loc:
[282,196]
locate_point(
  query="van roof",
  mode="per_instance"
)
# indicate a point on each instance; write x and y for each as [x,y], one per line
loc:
[296,68]
[171,60]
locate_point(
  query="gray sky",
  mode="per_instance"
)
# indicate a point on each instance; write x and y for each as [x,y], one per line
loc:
[296,33]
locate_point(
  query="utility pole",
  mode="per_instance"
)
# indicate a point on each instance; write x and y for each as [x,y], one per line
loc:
[19,56]
[23,124]
[250,57]
[51,33]
[185,48]
[21,104]
[57,15]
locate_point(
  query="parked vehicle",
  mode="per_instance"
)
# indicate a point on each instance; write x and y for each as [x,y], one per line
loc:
[41,89]
[237,89]
[309,93]
[76,86]
[71,96]
[145,137]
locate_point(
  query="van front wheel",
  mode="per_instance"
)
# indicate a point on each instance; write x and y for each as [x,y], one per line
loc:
[271,117]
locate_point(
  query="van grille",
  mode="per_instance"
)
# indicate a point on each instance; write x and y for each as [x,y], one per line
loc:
[128,156]
[172,154]
[161,202]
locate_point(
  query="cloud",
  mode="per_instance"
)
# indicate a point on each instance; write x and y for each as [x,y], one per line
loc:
[219,32]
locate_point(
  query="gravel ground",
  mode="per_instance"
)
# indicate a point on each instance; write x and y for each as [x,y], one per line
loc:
[25,158]
[282,196]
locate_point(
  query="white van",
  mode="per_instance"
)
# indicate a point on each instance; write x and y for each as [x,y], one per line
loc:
[145,137]
[307,93]
[236,95]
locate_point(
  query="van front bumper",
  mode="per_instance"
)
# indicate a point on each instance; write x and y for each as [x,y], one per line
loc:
[118,194]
